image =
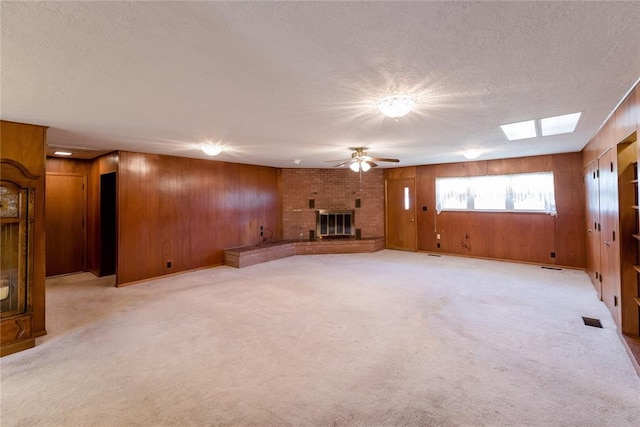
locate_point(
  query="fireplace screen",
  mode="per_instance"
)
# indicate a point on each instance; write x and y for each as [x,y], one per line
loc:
[334,224]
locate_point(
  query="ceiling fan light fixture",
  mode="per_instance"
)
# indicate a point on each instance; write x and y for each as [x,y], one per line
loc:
[211,149]
[395,106]
[365,166]
[355,166]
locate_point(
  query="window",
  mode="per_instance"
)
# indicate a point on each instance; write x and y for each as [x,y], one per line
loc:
[523,192]
[407,203]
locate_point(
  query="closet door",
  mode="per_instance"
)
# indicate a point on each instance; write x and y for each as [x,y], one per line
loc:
[609,235]
[592,187]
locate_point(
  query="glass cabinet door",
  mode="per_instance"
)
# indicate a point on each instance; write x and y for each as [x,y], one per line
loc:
[13,249]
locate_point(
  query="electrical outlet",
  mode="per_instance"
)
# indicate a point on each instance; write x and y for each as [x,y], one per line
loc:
[438,236]
[438,245]
[168,264]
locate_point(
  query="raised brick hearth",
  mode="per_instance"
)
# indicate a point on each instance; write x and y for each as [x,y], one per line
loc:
[268,251]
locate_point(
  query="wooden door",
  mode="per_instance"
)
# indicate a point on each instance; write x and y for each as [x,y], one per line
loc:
[400,214]
[65,208]
[592,189]
[609,235]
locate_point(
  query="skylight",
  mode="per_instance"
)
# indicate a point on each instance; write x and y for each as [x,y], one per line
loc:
[520,130]
[555,125]
[559,124]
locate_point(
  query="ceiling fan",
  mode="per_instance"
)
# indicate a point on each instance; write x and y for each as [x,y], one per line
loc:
[361,161]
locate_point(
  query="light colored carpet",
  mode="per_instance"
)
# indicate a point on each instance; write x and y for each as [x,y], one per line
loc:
[383,339]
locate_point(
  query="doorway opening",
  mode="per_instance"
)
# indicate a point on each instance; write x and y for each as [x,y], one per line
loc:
[108,224]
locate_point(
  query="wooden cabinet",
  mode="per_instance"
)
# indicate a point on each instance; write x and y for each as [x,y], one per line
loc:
[22,255]
[17,201]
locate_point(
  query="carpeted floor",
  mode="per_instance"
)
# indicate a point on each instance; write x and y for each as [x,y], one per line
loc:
[383,339]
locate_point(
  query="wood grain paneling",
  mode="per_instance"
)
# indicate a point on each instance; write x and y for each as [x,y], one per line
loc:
[569,225]
[187,211]
[513,236]
[139,242]
[589,152]
[400,173]
[24,143]
[65,217]
[625,118]
[68,166]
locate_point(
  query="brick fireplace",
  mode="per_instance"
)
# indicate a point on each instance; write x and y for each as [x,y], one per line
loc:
[307,191]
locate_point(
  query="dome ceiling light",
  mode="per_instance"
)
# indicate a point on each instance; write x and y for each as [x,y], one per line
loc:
[211,149]
[396,106]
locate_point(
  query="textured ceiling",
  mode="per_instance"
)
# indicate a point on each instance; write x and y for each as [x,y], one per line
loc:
[280,81]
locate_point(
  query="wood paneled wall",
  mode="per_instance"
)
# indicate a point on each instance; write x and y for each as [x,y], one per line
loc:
[25,144]
[613,150]
[524,237]
[187,211]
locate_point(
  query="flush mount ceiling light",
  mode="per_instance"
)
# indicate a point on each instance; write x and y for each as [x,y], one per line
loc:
[62,153]
[471,154]
[395,106]
[211,149]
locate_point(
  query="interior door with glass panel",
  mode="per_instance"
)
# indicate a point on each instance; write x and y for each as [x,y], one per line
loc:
[400,214]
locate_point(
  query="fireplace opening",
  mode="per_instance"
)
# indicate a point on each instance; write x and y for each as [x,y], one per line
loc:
[335,224]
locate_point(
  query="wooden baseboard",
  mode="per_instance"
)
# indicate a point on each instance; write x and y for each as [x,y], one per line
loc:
[632,345]
[564,267]
[135,282]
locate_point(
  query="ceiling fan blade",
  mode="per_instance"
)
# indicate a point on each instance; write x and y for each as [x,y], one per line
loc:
[339,160]
[381,159]
[342,164]
[373,165]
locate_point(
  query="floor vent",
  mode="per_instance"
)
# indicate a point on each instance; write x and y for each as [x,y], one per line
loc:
[588,321]
[434,255]
[551,268]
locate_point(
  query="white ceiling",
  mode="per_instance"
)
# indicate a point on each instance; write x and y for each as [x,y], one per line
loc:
[280,81]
